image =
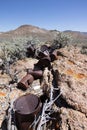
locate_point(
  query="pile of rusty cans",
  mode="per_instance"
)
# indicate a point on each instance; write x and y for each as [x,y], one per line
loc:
[44,52]
[46,55]
[28,107]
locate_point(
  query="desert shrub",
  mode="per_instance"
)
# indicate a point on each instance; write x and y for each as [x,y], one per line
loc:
[9,54]
[13,52]
[84,50]
[60,41]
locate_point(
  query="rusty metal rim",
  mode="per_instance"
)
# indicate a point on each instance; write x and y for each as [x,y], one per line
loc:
[39,105]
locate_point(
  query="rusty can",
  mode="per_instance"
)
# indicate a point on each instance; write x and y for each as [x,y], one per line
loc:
[43,54]
[26,108]
[44,62]
[25,82]
[44,48]
[53,56]
[37,74]
[30,51]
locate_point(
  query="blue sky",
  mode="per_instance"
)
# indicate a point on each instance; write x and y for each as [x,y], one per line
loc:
[50,14]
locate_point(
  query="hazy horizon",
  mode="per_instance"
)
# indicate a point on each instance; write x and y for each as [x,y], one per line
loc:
[41,28]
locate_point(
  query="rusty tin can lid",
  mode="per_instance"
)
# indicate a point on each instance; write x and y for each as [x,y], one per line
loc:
[27,104]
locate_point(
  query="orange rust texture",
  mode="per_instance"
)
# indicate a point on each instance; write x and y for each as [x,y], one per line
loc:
[80,76]
[69,72]
[75,75]
[2,94]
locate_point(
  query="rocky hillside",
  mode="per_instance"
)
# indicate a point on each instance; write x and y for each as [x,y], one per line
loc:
[70,80]
[26,33]
[78,38]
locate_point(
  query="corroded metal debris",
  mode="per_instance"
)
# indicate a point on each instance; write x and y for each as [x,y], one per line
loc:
[44,62]
[25,82]
[42,52]
[30,50]
[37,74]
[46,55]
[26,108]
[53,55]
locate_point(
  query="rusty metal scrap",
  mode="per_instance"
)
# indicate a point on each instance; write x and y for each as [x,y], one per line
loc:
[53,56]
[37,74]
[42,54]
[46,57]
[44,62]
[30,51]
[25,82]
[44,48]
[26,108]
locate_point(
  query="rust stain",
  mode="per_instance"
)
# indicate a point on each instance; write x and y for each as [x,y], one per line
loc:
[69,72]
[2,94]
[80,76]
[75,75]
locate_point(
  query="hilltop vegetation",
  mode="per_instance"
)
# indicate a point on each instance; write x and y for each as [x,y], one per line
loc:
[15,42]
[26,33]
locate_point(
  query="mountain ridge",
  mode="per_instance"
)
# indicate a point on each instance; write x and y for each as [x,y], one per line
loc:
[29,32]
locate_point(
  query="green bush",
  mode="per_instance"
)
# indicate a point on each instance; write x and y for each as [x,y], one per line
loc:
[63,39]
[60,41]
[84,50]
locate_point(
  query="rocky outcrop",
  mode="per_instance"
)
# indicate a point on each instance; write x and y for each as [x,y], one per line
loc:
[72,120]
[73,88]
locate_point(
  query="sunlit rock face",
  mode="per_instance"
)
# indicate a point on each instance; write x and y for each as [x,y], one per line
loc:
[73,88]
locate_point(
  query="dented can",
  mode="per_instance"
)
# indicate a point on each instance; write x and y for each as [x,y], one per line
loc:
[43,54]
[25,82]
[44,62]
[30,51]
[27,108]
[37,74]
[44,48]
[53,56]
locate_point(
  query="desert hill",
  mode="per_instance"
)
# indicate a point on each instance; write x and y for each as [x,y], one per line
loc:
[25,33]
[78,37]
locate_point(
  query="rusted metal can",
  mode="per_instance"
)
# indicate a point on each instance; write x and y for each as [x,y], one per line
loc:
[44,48]
[30,51]
[36,74]
[53,56]
[43,54]
[44,62]
[26,108]
[25,82]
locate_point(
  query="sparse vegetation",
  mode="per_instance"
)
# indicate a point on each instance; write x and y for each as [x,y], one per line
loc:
[84,50]
[63,39]
[60,41]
